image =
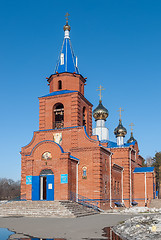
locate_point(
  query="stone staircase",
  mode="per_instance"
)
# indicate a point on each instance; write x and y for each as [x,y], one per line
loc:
[34,209]
[78,210]
[155,203]
[44,209]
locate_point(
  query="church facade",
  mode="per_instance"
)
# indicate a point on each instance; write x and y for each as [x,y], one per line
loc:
[66,159]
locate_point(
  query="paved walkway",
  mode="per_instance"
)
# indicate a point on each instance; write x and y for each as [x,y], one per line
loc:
[70,229]
[155,203]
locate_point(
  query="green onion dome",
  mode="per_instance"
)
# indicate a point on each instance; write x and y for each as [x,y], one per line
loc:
[120,131]
[100,112]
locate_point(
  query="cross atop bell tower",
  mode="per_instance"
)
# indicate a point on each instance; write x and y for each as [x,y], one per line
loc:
[67,15]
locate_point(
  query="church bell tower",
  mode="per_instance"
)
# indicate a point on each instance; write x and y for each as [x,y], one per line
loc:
[65,105]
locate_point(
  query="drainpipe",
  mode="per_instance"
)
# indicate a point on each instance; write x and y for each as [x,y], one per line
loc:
[122,173]
[110,182]
[77,182]
[145,192]
[130,177]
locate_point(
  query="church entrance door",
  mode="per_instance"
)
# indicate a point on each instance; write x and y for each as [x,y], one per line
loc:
[47,187]
[43,186]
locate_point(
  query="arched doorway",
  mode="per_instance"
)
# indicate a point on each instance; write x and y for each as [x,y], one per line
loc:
[43,186]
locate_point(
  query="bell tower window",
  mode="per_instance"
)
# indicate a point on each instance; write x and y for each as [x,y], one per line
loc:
[59,84]
[58,116]
[84,116]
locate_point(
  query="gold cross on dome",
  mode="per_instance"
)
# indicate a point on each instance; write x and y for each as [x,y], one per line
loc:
[120,110]
[100,88]
[67,15]
[131,125]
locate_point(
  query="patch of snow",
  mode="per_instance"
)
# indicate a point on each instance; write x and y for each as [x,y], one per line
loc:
[134,210]
[140,227]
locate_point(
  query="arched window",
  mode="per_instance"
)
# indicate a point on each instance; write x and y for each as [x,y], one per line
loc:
[59,84]
[84,116]
[58,116]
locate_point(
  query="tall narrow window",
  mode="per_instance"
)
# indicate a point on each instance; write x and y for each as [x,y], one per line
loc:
[118,187]
[58,116]
[59,84]
[84,116]
[115,187]
[62,59]
[81,88]
[105,164]
[105,187]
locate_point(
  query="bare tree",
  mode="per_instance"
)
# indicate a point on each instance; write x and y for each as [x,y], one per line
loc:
[149,161]
[9,189]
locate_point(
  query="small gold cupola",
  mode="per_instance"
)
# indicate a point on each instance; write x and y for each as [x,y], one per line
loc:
[131,139]
[100,112]
[120,131]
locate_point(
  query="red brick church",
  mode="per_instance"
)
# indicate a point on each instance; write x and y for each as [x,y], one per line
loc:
[66,159]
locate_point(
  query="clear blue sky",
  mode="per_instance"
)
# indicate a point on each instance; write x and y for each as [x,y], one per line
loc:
[118,44]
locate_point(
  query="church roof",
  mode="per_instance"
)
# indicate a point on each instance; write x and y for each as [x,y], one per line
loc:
[59,93]
[143,169]
[114,144]
[67,61]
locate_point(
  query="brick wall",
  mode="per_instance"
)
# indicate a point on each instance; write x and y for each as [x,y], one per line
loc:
[139,187]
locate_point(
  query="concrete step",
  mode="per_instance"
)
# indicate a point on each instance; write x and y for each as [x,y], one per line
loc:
[45,208]
[78,210]
[38,208]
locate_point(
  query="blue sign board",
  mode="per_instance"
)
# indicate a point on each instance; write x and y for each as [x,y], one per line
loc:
[28,180]
[64,178]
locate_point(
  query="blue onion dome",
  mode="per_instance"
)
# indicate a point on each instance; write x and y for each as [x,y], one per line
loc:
[100,112]
[131,139]
[120,131]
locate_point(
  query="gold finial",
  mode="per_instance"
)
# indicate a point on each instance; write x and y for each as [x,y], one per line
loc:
[131,125]
[120,110]
[100,88]
[67,15]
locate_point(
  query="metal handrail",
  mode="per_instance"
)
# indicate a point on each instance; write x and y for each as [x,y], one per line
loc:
[84,201]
